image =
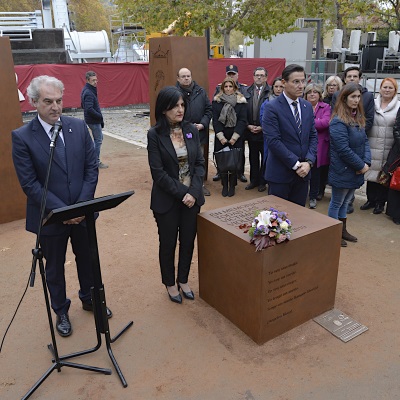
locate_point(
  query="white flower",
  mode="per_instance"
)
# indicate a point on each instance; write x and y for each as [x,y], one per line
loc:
[284,225]
[264,218]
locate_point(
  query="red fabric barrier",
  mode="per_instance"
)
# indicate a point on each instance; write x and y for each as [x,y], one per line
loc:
[128,83]
[119,84]
[246,66]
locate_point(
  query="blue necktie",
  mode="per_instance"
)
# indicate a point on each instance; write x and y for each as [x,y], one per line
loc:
[60,150]
[297,116]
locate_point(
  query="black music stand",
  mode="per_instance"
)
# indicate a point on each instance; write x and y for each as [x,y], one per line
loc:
[89,209]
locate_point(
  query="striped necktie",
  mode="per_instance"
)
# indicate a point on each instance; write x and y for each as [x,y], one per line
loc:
[297,115]
[60,149]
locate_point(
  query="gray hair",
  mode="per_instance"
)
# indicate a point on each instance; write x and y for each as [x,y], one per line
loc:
[313,86]
[36,84]
[333,78]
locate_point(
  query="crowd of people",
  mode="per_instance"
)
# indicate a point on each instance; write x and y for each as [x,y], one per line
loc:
[302,136]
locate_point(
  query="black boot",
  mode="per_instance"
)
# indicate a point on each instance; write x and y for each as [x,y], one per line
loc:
[379,207]
[224,182]
[232,184]
[346,235]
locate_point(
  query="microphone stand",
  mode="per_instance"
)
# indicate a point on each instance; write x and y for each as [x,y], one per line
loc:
[57,363]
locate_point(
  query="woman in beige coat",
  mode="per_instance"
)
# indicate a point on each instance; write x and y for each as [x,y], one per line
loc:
[381,141]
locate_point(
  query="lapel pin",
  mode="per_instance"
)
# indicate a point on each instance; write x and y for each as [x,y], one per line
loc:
[70,130]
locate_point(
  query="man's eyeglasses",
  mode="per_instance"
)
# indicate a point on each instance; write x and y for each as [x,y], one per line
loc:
[260,76]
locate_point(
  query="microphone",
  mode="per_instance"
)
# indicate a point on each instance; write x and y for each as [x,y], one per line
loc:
[56,131]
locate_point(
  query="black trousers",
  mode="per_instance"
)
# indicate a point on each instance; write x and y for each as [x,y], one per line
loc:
[319,179]
[393,204]
[295,191]
[377,193]
[243,161]
[256,157]
[54,249]
[179,220]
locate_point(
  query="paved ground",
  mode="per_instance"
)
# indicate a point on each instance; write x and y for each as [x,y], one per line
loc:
[190,351]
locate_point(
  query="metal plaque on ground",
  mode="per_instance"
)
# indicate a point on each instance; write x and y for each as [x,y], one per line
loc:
[340,325]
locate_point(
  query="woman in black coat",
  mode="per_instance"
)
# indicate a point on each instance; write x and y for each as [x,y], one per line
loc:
[229,122]
[393,161]
[177,168]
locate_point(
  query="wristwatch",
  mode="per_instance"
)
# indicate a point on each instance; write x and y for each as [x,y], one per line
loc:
[310,162]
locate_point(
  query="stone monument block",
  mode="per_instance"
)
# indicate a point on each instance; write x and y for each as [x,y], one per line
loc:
[270,292]
[12,199]
[168,55]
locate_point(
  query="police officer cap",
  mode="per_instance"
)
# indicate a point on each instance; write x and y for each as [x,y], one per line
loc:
[232,68]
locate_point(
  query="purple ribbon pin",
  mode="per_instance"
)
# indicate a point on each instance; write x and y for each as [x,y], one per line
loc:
[189,135]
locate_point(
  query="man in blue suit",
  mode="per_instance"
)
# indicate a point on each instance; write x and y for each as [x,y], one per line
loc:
[73,178]
[288,127]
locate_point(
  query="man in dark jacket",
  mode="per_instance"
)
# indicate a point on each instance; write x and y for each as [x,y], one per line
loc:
[198,110]
[353,74]
[92,112]
[258,92]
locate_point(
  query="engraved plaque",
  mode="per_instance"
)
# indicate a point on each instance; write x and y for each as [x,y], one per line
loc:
[269,292]
[340,325]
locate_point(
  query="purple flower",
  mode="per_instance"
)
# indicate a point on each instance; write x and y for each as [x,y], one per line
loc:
[189,135]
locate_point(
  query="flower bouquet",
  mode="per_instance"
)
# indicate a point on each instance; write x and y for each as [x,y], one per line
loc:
[268,228]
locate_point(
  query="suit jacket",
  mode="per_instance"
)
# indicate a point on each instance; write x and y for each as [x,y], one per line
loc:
[285,145]
[164,167]
[31,150]
[249,97]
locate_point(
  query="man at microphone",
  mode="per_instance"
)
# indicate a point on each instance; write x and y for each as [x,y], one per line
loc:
[73,178]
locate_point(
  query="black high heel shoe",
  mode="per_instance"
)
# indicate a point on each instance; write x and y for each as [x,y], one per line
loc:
[175,299]
[186,295]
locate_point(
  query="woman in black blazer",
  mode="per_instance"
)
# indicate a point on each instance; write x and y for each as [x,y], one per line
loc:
[229,121]
[177,168]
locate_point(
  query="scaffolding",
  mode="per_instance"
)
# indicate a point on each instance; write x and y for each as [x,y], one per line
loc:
[128,40]
[19,25]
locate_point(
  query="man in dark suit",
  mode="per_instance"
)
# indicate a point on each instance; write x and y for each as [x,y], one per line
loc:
[288,127]
[73,178]
[258,92]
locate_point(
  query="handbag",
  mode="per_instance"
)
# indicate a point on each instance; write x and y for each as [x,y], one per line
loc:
[395,181]
[383,178]
[228,159]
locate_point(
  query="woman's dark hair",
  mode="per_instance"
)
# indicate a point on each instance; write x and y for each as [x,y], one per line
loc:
[278,78]
[166,100]
[343,111]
